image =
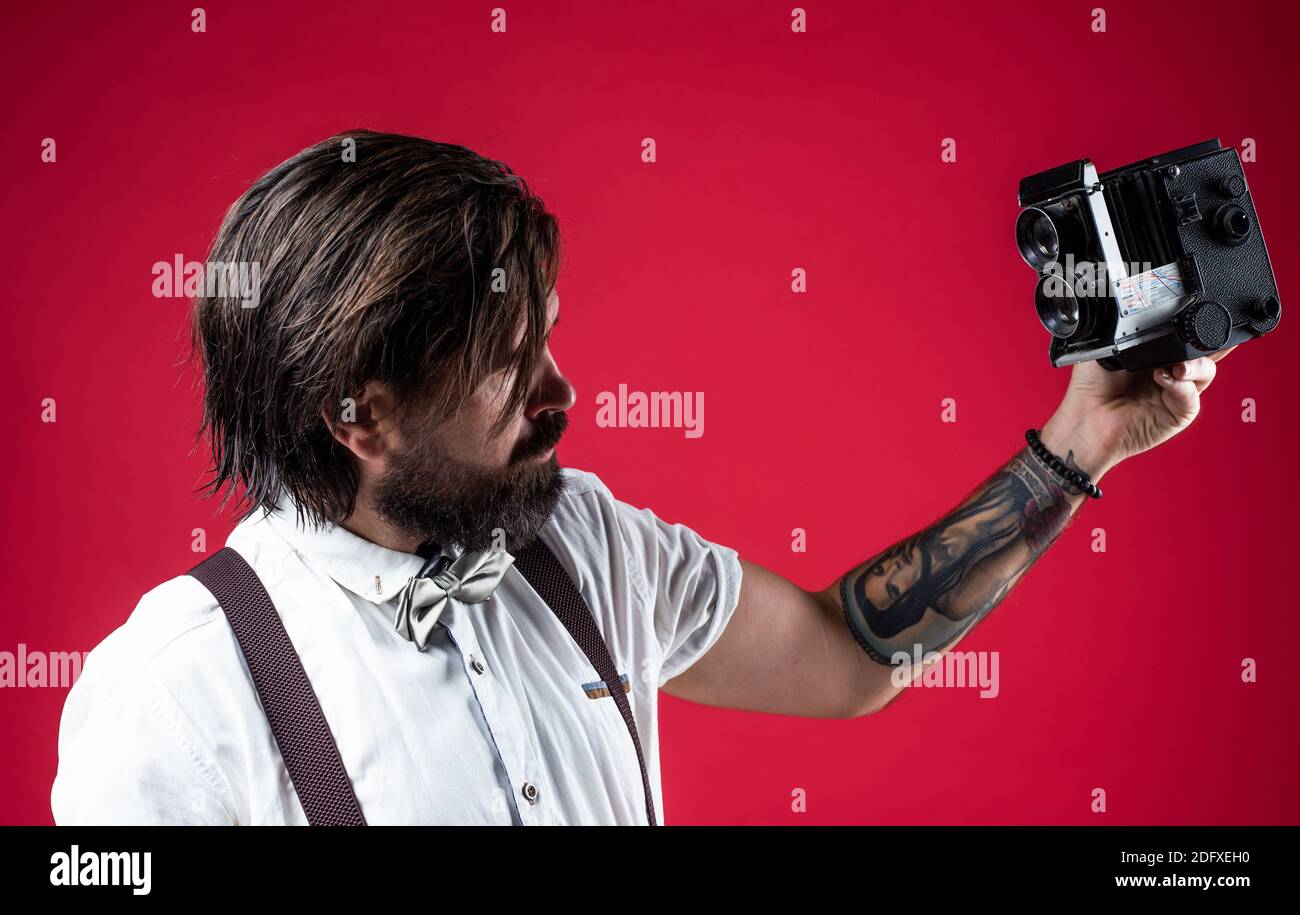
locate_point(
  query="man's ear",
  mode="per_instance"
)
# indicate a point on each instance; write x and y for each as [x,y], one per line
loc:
[366,424]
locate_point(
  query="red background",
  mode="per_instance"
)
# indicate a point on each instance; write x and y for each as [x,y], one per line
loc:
[1119,670]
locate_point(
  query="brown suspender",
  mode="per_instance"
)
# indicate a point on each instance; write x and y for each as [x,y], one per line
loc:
[309,751]
[297,722]
[553,585]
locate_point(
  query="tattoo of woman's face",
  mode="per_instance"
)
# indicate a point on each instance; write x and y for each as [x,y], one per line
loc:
[944,579]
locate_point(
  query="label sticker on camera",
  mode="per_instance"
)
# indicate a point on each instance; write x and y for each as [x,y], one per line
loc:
[1161,286]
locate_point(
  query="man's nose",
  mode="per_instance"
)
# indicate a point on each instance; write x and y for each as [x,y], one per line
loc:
[553,390]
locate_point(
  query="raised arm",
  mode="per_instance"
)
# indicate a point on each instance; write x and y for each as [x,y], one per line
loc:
[832,653]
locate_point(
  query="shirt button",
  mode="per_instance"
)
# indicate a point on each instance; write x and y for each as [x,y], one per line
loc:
[476,664]
[530,792]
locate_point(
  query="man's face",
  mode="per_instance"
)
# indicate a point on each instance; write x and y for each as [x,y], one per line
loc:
[458,482]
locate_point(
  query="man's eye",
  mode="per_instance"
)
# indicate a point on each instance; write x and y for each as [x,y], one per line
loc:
[891,591]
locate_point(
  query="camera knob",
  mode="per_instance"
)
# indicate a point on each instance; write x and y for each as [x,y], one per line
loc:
[1232,186]
[1264,314]
[1205,325]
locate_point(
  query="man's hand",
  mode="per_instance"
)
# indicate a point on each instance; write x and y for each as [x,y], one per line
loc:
[1106,416]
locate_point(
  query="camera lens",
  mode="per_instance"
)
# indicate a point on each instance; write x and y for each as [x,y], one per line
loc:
[1057,305]
[1037,238]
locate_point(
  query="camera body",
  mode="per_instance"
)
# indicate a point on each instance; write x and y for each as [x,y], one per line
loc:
[1150,264]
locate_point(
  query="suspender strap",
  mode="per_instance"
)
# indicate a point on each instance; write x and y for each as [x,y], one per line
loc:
[297,722]
[550,580]
[304,738]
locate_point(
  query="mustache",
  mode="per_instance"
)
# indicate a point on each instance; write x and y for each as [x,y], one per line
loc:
[551,426]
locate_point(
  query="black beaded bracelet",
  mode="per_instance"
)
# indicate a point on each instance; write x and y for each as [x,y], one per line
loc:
[1069,474]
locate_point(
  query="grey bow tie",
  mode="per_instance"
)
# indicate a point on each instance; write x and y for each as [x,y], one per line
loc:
[471,579]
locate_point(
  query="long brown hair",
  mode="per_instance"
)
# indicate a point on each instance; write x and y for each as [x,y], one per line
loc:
[410,262]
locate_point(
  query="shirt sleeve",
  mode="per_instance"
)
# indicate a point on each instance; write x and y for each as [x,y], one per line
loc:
[691,584]
[126,757]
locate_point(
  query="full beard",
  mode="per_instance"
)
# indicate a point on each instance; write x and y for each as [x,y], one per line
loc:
[427,494]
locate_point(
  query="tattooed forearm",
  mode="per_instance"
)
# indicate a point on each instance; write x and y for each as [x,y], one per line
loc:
[931,588]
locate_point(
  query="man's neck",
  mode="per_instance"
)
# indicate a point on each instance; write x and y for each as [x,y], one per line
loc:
[366,523]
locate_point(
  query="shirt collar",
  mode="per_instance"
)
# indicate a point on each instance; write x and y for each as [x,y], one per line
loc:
[367,569]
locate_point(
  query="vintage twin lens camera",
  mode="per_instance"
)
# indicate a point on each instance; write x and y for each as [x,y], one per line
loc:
[1147,265]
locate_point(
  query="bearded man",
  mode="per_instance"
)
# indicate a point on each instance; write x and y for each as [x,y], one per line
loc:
[421,617]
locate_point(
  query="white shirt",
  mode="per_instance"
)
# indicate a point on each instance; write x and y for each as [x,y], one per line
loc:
[164,724]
